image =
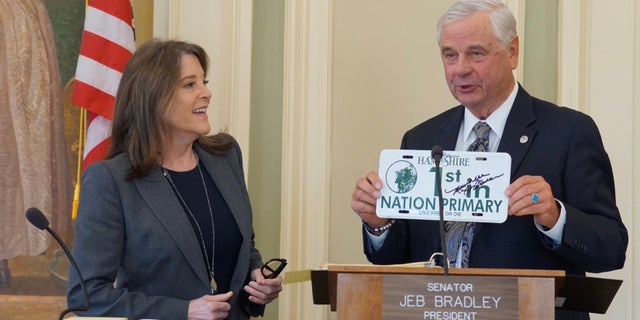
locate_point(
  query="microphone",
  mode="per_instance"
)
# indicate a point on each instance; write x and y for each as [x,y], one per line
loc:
[436,154]
[40,221]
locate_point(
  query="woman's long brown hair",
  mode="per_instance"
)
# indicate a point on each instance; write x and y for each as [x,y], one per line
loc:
[148,84]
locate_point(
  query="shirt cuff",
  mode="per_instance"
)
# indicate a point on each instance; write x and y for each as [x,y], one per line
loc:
[555,233]
[376,242]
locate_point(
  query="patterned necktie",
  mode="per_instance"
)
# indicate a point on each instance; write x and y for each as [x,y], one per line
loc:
[460,234]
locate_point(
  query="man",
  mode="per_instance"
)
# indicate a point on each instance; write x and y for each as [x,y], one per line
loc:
[562,210]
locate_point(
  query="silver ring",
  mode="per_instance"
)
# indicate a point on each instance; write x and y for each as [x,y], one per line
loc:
[535,198]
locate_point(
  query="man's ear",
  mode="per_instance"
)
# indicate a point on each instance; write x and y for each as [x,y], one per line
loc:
[514,50]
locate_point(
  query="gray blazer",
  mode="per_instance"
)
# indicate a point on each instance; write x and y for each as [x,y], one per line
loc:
[138,252]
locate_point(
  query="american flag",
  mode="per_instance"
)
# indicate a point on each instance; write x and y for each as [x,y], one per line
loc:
[107,44]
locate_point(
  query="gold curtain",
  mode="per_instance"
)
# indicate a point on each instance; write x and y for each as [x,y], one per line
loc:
[33,155]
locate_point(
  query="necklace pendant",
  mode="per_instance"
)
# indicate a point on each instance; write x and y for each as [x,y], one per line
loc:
[213,284]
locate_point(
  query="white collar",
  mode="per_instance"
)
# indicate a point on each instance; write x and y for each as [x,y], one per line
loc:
[497,120]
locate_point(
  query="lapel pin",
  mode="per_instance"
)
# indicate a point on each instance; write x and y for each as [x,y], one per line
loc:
[524,139]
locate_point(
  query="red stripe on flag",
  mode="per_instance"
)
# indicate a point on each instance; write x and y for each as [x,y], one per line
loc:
[98,153]
[109,55]
[104,51]
[119,9]
[93,99]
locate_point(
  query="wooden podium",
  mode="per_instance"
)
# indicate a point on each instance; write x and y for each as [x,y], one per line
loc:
[401,292]
[95,318]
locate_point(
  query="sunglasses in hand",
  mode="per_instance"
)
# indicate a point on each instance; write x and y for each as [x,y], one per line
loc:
[273,267]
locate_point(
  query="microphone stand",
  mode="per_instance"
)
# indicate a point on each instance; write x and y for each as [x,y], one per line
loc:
[40,221]
[436,153]
[75,266]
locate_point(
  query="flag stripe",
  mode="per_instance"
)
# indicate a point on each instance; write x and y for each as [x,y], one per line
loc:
[116,8]
[98,153]
[98,75]
[101,49]
[93,99]
[109,27]
[100,129]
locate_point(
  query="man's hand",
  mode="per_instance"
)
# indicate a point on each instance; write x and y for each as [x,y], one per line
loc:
[363,199]
[521,200]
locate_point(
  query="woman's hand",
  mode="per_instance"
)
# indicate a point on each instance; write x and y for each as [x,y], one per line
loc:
[261,290]
[210,307]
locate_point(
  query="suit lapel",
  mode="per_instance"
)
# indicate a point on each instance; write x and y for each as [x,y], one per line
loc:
[518,133]
[450,128]
[516,138]
[157,193]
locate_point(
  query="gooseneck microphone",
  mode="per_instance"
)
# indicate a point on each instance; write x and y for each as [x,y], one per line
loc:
[40,221]
[436,154]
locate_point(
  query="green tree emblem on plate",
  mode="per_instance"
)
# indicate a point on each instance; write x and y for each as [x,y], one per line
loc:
[401,176]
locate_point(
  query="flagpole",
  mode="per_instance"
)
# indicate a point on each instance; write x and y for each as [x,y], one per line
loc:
[82,133]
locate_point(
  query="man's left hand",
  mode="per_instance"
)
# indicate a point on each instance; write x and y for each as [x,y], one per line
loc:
[533,195]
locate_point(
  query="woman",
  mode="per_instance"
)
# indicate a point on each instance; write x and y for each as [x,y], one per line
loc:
[164,227]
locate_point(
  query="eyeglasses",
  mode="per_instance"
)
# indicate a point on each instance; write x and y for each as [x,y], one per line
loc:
[273,267]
